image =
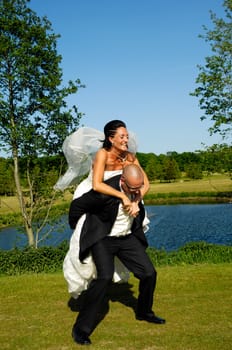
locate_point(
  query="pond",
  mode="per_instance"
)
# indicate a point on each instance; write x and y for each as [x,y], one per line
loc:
[171,226]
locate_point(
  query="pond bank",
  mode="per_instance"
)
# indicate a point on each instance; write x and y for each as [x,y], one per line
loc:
[14,218]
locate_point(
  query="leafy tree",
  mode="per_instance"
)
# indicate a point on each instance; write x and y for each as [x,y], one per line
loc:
[185,158]
[7,186]
[215,78]
[151,168]
[170,169]
[143,158]
[217,158]
[193,171]
[151,164]
[226,159]
[34,117]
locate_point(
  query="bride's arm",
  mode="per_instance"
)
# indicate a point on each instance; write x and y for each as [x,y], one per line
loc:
[98,177]
[146,185]
[139,196]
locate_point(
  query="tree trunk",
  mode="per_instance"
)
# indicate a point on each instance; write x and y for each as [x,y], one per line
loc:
[26,219]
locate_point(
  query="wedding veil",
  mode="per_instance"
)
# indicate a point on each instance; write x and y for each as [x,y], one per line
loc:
[79,149]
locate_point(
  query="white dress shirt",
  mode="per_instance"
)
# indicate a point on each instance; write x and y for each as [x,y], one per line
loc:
[123,222]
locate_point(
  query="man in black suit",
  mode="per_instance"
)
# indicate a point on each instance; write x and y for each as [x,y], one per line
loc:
[110,231]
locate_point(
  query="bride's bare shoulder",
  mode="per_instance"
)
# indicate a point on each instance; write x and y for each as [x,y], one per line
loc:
[131,157]
[101,154]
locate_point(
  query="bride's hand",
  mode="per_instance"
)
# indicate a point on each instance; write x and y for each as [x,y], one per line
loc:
[134,209]
[129,207]
[126,203]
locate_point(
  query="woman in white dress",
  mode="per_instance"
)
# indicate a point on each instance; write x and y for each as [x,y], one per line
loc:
[117,151]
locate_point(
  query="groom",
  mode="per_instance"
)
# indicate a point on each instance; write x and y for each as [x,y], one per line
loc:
[109,231]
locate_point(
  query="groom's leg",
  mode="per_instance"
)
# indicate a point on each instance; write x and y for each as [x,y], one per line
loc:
[134,257]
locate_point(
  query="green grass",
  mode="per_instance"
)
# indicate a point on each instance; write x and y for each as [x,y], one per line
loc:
[214,183]
[211,189]
[195,300]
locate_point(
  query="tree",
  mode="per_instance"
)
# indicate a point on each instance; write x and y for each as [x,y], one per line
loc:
[34,117]
[151,168]
[7,186]
[193,171]
[170,169]
[215,78]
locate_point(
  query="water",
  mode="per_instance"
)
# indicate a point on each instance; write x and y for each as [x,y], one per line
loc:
[13,237]
[171,227]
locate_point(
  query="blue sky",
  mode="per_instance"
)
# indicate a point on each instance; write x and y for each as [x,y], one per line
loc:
[138,60]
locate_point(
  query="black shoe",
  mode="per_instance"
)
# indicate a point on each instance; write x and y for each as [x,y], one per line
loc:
[80,337]
[151,317]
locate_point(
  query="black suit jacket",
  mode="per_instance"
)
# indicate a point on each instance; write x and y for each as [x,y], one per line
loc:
[101,211]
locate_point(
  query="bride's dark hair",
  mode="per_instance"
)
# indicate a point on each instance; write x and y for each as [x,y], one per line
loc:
[109,130]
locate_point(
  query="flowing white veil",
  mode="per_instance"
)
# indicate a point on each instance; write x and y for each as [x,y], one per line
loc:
[79,149]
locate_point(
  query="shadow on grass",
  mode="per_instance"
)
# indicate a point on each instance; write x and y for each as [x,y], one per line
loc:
[117,292]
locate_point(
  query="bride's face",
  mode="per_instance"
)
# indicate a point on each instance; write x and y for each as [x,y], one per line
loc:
[120,139]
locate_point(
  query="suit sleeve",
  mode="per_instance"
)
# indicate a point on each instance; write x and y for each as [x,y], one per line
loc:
[89,202]
[92,202]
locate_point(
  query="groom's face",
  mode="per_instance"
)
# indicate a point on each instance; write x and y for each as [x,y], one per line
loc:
[132,187]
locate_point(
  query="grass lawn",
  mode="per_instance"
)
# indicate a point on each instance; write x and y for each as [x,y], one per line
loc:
[195,300]
[215,183]
[10,204]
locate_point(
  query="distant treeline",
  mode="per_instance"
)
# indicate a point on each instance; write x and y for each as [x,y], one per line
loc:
[164,167]
[192,165]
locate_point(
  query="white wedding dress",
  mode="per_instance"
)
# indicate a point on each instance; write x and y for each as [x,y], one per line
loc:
[79,149]
[77,274]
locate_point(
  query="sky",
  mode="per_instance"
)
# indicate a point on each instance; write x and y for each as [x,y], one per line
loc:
[138,60]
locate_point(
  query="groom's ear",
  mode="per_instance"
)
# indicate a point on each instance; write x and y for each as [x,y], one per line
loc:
[122,178]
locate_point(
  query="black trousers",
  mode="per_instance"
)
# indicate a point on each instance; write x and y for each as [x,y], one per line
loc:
[132,254]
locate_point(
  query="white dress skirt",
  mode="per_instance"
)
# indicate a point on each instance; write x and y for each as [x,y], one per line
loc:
[79,274]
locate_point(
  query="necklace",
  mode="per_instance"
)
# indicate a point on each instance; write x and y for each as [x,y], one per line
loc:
[121,159]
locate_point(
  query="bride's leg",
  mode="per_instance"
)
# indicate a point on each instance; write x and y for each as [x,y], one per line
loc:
[77,274]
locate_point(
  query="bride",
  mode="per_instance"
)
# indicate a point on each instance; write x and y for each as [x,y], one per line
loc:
[105,156]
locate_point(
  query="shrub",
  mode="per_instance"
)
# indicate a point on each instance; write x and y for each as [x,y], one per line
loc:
[50,259]
[31,260]
[192,253]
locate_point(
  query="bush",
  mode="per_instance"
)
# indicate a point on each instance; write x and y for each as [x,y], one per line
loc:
[31,260]
[50,259]
[192,253]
